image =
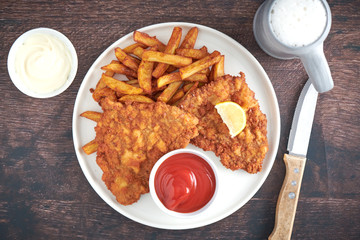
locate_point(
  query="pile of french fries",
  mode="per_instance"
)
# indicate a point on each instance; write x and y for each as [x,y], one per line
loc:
[156,72]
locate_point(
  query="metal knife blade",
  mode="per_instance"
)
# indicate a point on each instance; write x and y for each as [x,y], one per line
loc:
[303,120]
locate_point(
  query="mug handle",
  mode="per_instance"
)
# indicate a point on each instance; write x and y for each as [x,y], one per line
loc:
[318,69]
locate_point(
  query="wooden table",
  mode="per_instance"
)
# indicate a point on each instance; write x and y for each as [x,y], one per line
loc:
[43,192]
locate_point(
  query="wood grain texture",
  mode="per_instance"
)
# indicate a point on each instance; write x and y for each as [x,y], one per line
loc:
[43,192]
[288,197]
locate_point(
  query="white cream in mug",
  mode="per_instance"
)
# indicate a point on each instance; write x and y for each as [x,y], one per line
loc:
[43,63]
[297,23]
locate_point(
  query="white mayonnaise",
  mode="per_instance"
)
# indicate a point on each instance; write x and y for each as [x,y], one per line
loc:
[297,23]
[43,63]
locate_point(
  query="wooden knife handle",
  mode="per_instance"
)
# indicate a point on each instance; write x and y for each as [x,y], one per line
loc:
[288,198]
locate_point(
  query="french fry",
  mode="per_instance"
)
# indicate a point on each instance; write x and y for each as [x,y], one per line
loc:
[199,65]
[155,88]
[188,86]
[156,95]
[117,67]
[190,38]
[105,93]
[136,60]
[133,81]
[136,85]
[167,94]
[171,59]
[177,96]
[95,116]
[145,39]
[90,147]
[118,95]
[168,78]
[100,85]
[144,75]
[193,53]
[110,73]
[217,70]
[197,77]
[126,59]
[191,87]
[171,69]
[121,86]
[173,43]
[138,52]
[129,49]
[130,78]
[206,71]
[175,76]
[101,89]
[136,98]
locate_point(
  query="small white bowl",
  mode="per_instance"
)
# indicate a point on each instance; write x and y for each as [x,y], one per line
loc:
[155,196]
[16,79]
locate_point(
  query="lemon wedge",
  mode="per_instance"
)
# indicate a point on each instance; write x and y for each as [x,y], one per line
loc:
[233,115]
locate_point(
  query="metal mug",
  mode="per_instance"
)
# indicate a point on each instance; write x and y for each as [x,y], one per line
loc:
[311,55]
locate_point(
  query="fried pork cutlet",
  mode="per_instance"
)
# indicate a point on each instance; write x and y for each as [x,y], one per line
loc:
[245,151]
[132,137]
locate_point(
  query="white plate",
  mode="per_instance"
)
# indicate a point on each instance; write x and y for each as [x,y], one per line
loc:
[236,187]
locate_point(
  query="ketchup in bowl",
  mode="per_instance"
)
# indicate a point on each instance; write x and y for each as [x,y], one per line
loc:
[184,182]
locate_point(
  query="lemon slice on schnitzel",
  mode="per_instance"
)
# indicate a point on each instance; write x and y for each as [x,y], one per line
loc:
[233,115]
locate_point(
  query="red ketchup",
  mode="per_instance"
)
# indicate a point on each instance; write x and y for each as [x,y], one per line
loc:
[185,183]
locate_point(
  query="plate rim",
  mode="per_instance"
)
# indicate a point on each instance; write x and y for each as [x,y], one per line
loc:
[275,126]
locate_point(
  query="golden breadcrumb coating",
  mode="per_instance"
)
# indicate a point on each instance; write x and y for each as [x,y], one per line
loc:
[132,137]
[245,151]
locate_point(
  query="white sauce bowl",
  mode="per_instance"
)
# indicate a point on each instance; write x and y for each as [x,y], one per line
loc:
[15,77]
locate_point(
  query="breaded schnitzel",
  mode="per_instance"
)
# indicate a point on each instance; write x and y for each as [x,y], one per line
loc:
[245,151]
[131,137]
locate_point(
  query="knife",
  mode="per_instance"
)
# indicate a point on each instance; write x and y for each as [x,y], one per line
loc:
[295,162]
